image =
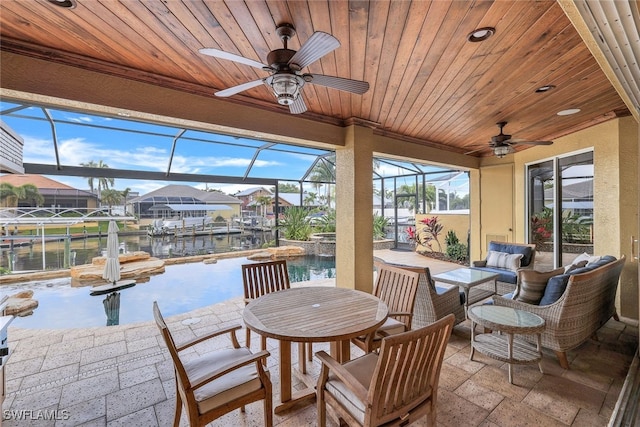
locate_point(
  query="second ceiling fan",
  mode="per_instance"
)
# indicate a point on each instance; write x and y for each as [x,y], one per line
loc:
[502,144]
[286,78]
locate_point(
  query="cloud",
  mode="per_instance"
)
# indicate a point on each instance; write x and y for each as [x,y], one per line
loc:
[81,119]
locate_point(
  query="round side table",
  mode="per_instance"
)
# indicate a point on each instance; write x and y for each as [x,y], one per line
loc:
[506,322]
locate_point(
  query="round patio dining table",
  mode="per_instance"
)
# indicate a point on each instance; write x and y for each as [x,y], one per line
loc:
[313,314]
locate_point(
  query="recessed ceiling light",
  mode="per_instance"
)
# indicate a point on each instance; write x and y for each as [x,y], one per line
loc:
[545,88]
[568,112]
[67,4]
[481,34]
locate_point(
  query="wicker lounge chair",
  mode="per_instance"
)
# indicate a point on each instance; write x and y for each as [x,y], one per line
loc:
[586,304]
[433,303]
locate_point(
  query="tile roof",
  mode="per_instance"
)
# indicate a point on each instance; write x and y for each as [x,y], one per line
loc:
[39,181]
[188,191]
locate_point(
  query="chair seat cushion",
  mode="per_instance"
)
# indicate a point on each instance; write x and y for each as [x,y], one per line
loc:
[362,370]
[504,275]
[391,326]
[229,387]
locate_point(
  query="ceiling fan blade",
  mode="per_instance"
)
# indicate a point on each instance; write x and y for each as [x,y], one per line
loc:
[475,151]
[239,88]
[231,57]
[318,45]
[298,106]
[518,141]
[347,85]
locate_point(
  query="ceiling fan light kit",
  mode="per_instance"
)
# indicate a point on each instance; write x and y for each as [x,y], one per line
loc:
[287,80]
[286,87]
[502,150]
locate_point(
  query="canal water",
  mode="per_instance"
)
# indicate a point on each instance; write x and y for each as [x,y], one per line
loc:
[30,257]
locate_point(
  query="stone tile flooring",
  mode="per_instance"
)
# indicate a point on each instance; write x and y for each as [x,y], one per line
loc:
[123,376]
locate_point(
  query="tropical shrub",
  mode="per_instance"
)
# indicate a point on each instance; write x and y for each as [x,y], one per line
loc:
[455,250]
[327,222]
[451,238]
[380,224]
[295,224]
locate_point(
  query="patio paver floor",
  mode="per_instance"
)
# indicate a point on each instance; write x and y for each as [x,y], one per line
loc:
[123,375]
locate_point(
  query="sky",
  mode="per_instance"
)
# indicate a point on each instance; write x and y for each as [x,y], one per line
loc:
[84,138]
[126,144]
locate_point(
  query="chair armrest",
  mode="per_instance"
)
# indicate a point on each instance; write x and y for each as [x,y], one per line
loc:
[229,329]
[482,263]
[238,363]
[345,376]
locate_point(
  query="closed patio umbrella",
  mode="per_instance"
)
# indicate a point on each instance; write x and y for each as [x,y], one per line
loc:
[112,308]
[111,271]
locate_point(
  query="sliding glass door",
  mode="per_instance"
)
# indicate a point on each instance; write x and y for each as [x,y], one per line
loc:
[560,208]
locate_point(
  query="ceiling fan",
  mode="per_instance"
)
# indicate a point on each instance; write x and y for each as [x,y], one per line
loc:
[502,144]
[286,78]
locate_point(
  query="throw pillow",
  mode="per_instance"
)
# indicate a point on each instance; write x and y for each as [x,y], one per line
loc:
[503,260]
[532,284]
[586,257]
[572,267]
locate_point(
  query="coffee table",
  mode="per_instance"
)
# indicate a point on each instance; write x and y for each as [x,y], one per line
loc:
[502,346]
[466,278]
[312,314]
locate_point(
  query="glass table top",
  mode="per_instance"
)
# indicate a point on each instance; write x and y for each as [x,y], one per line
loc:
[506,316]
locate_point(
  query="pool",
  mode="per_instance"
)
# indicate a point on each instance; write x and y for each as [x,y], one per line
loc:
[180,289]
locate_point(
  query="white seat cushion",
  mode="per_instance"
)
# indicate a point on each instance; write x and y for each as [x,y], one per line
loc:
[229,387]
[362,370]
[390,326]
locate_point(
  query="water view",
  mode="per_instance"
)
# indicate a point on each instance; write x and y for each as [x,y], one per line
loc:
[30,256]
[180,289]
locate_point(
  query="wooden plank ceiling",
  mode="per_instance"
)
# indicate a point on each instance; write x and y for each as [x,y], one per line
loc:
[427,82]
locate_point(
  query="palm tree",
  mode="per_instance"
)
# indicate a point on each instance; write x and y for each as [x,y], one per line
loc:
[111,197]
[325,171]
[11,195]
[90,164]
[103,183]
[125,195]
[310,198]
[263,201]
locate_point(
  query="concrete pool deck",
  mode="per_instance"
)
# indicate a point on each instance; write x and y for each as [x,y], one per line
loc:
[123,375]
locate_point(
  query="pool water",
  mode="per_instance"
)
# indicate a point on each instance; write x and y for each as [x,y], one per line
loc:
[180,289]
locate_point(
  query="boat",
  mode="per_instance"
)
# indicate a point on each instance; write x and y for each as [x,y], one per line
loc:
[184,218]
[161,227]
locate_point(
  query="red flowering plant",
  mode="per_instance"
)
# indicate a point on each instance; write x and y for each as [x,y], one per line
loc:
[540,228]
[412,236]
[431,231]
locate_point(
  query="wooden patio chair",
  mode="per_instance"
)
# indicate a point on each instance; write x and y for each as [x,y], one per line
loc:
[397,288]
[262,278]
[394,387]
[217,382]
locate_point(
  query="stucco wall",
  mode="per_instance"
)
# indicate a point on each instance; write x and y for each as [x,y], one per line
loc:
[615,148]
[456,222]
